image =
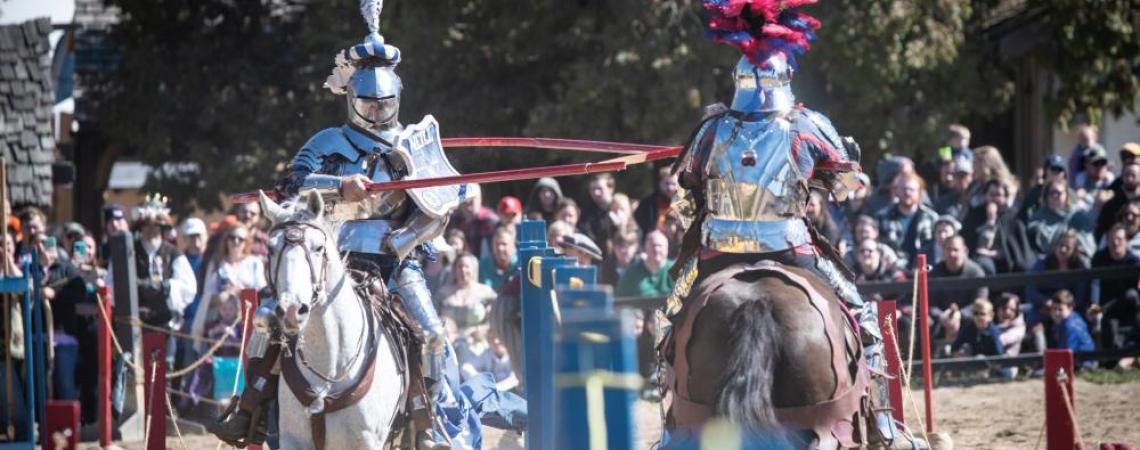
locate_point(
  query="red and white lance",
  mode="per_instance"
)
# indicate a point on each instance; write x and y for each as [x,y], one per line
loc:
[631,154]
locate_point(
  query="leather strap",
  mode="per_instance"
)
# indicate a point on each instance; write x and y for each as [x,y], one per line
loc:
[301,388]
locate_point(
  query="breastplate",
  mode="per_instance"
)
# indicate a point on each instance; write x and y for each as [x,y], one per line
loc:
[376,165]
[751,173]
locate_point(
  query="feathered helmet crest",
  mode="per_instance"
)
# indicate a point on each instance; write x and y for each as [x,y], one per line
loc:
[373,52]
[152,210]
[761,29]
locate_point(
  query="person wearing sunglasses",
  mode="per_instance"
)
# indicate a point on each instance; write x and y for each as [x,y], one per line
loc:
[229,267]
[1057,214]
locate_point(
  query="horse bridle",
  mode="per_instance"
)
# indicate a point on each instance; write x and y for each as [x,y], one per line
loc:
[294,235]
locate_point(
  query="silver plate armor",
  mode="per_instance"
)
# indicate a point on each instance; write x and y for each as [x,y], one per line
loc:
[421,147]
[755,191]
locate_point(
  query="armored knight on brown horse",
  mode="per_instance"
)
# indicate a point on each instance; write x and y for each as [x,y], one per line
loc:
[801,350]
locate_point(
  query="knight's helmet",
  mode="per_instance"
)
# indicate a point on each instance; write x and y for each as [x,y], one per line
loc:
[766,88]
[769,34]
[366,75]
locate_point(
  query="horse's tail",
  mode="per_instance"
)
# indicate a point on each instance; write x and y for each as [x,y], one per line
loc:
[745,394]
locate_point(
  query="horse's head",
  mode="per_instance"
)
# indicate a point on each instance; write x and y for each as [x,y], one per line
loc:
[301,254]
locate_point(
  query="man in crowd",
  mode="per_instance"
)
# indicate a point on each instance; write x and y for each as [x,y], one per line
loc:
[944,228]
[595,213]
[952,200]
[1053,169]
[194,237]
[908,225]
[114,221]
[626,247]
[1117,298]
[493,271]
[651,210]
[648,277]
[956,264]
[1129,190]
[510,211]
[580,246]
[1096,176]
[477,222]
[35,224]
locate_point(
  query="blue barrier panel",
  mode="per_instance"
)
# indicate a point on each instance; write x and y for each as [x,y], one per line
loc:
[597,372]
[531,234]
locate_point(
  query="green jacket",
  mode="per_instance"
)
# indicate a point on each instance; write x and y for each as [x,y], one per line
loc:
[638,282]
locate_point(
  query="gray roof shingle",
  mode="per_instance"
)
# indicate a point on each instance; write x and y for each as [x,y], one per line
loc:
[25,112]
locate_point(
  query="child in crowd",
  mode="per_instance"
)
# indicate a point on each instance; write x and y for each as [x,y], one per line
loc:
[227,306]
[1069,330]
[980,336]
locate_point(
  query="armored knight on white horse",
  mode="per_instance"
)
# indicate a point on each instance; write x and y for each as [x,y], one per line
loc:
[382,235]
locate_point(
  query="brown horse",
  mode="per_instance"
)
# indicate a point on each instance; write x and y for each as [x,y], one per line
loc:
[770,348]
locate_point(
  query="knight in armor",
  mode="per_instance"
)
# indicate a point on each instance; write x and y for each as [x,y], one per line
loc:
[748,171]
[382,235]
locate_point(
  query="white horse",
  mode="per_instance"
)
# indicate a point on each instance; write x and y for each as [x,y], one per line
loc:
[321,313]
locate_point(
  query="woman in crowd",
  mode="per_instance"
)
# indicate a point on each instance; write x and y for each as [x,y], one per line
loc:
[231,266]
[464,298]
[989,164]
[1129,216]
[1064,254]
[864,228]
[543,199]
[817,212]
[1056,217]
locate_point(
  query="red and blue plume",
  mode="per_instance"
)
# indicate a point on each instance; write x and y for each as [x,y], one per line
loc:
[761,29]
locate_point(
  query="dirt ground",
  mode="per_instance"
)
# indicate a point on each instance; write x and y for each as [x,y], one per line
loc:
[990,416]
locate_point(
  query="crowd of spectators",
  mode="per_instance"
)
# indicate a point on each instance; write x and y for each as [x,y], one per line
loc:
[965,211]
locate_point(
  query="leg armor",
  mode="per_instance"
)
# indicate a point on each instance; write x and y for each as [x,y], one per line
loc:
[245,421]
[408,283]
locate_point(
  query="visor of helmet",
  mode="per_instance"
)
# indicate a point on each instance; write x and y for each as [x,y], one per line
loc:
[376,111]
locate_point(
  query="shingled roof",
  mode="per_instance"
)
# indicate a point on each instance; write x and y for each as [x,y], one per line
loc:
[25,111]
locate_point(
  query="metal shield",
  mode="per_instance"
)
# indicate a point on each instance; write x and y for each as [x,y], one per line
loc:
[422,149]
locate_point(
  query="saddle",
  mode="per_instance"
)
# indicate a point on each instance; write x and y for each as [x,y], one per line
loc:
[833,420]
[388,317]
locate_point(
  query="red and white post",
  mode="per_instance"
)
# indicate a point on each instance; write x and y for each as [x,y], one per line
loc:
[927,345]
[105,354]
[249,305]
[888,323]
[1059,430]
[154,357]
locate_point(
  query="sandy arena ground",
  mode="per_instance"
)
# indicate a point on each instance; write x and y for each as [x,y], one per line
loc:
[989,416]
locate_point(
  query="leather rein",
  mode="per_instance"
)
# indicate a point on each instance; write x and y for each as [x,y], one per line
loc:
[320,402]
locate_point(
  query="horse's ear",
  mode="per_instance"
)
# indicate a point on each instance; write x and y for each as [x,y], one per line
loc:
[274,212]
[315,203]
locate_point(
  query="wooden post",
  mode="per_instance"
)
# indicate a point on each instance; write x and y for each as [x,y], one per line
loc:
[888,323]
[126,311]
[105,354]
[1058,424]
[154,354]
[927,377]
[249,305]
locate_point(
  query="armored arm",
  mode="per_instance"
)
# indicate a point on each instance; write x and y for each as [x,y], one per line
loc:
[419,228]
[829,161]
[321,150]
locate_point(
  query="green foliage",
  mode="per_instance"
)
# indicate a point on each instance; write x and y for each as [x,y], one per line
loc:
[236,86]
[1093,48]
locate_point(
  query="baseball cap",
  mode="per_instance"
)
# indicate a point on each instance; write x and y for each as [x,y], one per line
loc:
[1055,162]
[193,226]
[1130,148]
[510,205]
[963,163]
[71,228]
[112,212]
[1096,153]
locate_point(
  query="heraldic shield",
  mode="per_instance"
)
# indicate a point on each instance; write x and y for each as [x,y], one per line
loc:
[422,149]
